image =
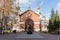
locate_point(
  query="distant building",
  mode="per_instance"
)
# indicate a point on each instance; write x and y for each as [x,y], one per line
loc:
[44,24]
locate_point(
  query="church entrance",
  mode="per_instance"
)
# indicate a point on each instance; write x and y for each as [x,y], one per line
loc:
[29,23]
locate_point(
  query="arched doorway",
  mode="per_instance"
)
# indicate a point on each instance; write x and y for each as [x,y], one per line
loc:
[29,22]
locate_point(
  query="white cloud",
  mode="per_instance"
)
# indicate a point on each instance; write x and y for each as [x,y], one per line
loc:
[25,1]
[58,6]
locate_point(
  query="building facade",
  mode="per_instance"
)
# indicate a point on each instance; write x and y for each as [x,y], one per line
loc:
[29,17]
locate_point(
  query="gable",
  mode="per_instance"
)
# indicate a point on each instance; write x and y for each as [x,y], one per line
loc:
[29,13]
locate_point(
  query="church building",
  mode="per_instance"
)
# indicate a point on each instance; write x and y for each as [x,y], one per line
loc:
[31,18]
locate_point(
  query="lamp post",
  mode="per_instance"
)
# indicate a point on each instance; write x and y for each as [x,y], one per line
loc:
[40,23]
[40,18]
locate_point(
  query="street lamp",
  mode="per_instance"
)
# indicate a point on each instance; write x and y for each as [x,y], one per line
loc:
[40,18]
[40,23]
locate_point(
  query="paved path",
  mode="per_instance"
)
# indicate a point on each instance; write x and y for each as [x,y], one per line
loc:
[25,36]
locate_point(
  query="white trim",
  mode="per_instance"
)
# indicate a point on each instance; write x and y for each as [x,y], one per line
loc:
[34,22]
[37,30]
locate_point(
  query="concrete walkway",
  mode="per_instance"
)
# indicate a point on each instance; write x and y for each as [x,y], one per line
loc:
[25,35]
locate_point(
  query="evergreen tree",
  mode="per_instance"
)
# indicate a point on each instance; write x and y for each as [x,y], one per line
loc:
[51,21]
[54,22]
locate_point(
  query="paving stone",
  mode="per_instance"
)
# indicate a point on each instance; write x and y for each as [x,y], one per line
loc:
[25,35]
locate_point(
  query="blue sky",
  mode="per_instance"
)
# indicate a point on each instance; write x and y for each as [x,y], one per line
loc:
[45,6]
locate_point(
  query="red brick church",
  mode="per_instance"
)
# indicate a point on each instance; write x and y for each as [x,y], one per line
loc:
[29,17]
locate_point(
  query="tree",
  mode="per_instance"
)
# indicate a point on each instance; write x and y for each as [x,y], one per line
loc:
[7,9]
[51,21]
[54,22]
